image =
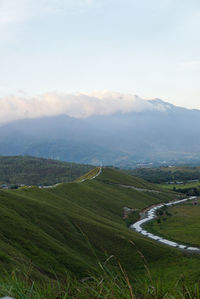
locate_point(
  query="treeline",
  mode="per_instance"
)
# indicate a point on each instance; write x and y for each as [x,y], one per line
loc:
[188,191]
[38,171]
[161,175]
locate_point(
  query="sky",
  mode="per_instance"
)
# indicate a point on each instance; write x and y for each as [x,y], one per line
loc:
[149,48]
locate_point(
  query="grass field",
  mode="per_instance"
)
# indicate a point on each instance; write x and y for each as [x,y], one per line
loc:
[67,233]
[181,186]
[181,223]
[51,227]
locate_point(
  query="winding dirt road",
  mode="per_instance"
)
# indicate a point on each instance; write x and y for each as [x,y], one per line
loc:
[150,215]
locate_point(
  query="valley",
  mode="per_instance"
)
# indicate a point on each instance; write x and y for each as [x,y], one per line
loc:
[142,225]
[179,223]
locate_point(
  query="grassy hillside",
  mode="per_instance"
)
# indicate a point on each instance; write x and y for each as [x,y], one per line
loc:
[38,171]
[74,227]
[111,176]
[89,175]
[55,221]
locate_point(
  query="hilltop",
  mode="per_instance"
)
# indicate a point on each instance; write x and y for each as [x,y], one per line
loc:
[29,170]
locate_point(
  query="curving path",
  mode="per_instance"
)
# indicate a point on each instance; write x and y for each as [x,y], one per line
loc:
[92,178]
[150,215]
[99,172]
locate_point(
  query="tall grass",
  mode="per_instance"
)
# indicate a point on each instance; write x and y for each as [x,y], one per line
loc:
[111,282]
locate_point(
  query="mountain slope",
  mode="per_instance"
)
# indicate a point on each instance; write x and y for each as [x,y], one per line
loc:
[163,133]
[38,171]
[59,229]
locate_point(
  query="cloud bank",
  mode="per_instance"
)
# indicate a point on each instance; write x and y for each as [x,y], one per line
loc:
[79,105]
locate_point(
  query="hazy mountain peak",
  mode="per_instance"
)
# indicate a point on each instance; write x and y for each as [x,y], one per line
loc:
[104,127]
[162,104]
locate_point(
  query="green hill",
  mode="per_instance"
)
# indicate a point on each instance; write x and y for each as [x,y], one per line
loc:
[75,226]
[38,171]
[166,174]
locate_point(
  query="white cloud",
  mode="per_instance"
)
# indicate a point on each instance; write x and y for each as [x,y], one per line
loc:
[193,65]
[80,105]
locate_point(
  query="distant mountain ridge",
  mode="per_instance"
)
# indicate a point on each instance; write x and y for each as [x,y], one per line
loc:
[165,134]
[76,105]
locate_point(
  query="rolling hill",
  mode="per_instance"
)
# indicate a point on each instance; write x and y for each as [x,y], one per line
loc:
[75,226]
[17,170]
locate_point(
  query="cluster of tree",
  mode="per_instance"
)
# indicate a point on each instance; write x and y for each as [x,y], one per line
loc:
[28,170]
[188,191]
[162,175]
[162,214]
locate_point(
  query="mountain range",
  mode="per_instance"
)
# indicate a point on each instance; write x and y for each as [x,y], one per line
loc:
[159,133]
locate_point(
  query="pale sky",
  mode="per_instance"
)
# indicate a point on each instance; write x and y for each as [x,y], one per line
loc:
[149,48]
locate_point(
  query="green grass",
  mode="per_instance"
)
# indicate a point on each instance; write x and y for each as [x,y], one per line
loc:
[110,282]
[49,226]
[89,175]
[181,223]
[181,186]
[116,177]
[70,230]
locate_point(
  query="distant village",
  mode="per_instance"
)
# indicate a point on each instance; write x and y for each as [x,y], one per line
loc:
[16,186]
[182,182]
